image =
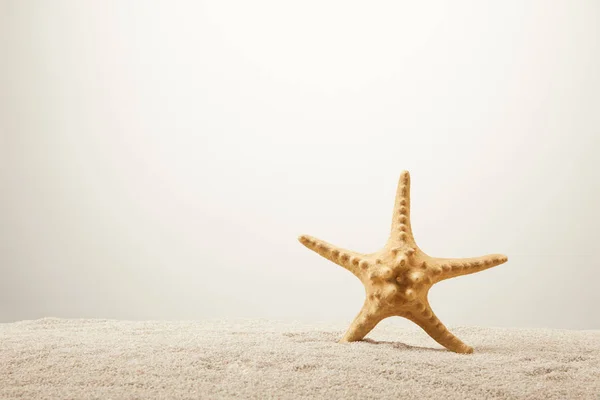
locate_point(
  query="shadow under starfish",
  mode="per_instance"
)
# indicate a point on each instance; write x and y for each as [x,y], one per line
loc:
[398,277]
[399,345]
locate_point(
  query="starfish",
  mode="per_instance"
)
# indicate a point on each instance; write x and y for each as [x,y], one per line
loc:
[398,277]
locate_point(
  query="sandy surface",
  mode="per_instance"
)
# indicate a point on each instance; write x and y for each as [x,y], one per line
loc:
[106,359]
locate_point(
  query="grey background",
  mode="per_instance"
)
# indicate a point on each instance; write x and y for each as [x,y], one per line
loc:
[159,159]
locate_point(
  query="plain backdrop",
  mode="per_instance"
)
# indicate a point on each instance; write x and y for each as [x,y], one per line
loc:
[160,158]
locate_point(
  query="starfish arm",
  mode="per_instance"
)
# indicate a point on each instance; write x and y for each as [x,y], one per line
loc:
[363,323]
[401,231]
[350,260]
[424,316]
[445,268]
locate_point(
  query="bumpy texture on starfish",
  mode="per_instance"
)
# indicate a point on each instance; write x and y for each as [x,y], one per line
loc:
[398,277]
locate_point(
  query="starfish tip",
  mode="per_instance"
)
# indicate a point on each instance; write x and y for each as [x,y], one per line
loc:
[304,239]
[501,258]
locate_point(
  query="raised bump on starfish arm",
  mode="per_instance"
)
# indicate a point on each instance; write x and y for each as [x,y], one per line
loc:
[445,268]
[363,323]
[401,231]
[350,260]
[424,316]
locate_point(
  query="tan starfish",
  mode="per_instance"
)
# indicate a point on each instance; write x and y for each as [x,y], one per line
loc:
[397,278]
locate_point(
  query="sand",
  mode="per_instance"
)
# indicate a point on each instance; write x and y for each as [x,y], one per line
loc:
[257,359]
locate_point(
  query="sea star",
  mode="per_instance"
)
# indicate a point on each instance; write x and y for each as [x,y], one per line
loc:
[398,277]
